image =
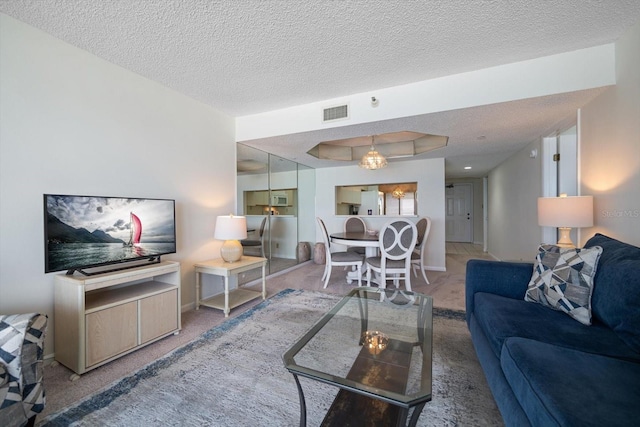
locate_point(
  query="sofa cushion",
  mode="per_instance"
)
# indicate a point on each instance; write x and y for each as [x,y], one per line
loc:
[616,292]
[502,317]
[563,279]
[565,387]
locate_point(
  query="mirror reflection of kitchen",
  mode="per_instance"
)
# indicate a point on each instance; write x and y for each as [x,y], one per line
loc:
[398,199]
[274,202]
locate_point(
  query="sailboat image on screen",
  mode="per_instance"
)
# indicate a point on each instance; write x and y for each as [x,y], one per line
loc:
[135,230]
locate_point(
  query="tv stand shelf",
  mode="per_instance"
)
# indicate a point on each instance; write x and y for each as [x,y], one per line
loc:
[102,299]
[103,317]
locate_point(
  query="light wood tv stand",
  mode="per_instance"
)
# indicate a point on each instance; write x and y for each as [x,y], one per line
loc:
[103,317]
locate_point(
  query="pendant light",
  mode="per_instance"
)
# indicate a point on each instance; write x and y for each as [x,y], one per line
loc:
[398,193]
[373,160]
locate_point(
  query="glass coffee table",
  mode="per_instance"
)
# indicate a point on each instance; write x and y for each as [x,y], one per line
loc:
[375,345]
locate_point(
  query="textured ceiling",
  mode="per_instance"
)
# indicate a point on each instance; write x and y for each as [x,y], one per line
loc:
[246,57]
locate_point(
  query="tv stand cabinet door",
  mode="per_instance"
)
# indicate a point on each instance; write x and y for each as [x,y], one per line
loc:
[110,332]
[158,315]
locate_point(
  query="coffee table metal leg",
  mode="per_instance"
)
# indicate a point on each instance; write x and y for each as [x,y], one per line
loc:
[416,414]
[363,305]
[303,405]
[401,421]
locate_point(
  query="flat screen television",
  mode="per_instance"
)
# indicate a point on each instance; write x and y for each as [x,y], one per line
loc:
[92,235]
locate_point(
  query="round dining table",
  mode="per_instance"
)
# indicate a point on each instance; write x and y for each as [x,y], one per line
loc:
[351,238]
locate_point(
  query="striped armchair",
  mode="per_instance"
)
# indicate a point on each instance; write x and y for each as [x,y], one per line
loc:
[21,351]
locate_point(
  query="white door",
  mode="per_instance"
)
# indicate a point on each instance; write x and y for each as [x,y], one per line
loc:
[459,217]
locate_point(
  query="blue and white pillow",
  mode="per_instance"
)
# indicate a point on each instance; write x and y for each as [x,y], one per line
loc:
[563,280]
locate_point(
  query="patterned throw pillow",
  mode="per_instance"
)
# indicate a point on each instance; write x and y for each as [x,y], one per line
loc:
[4,375]
[563,280]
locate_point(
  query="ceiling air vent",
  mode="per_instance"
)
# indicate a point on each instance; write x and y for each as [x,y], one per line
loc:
[335,113]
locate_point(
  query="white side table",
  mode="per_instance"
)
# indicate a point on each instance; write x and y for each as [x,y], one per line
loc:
[239,296]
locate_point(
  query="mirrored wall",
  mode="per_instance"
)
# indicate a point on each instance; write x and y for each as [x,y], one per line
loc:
[277,197]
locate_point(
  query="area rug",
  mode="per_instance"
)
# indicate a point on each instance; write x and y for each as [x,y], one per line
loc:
[233,375]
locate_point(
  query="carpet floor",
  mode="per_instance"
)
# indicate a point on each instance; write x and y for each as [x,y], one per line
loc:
[233,375]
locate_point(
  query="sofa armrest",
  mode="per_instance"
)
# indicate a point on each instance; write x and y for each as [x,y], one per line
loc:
[508,279]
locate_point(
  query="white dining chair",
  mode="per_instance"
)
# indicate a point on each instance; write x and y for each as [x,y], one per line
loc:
[417,256]
[355,224]
[338,259]
[397,239]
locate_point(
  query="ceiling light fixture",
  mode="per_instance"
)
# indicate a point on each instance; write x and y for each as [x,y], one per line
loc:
[398,193]
[373,160]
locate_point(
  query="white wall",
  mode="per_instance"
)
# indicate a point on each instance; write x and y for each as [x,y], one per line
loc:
[566,72]
[610,148]
[429,173]
[72,123]
[513,189]
[609,168]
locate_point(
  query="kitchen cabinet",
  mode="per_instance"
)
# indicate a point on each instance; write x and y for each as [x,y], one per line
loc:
[257,198]
[350,196]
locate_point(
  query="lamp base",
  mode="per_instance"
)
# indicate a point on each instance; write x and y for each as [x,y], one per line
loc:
[565,239]
[231,251]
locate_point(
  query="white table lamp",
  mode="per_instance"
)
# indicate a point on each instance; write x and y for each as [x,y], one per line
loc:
[231,229]
[565,212]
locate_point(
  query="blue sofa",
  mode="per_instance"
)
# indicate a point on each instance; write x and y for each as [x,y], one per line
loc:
[543,367]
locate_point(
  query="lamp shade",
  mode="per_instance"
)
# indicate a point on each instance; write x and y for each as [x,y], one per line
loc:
[567,211]
[230,227]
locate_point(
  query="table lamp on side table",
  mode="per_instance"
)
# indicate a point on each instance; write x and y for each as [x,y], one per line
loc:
[565,213]
[231,229]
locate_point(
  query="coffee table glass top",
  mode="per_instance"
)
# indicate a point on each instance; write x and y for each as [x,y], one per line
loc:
[373,342]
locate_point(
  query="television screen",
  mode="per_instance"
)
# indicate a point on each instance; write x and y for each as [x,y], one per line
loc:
[89,231]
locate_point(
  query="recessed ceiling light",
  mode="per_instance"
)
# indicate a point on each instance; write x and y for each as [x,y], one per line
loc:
[467,168]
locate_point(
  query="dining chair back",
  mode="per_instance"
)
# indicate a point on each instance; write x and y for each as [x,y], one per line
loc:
[418,254]
[397,239]
[355,224]
[348,258]
[258,243]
